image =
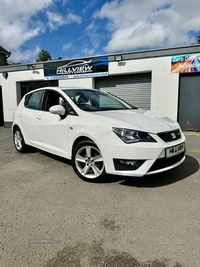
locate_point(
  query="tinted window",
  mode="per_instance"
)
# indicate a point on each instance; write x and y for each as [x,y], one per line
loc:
[52,98]
[33,100]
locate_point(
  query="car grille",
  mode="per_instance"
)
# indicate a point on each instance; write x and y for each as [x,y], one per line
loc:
[166,162]
[170,136]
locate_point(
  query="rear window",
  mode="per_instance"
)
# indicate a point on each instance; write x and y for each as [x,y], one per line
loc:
[33,100]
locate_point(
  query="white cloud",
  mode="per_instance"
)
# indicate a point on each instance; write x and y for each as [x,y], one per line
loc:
[88,51]
[70,18]
[149,24]
[88,5]
[15,34]
[12,10]
[26,56]
[67,46]
[18,24]
[94,39]
[64,2]
[56,20]
[22,21]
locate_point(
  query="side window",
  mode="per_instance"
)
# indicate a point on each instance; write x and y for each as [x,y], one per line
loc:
[33,100]
[70,110]
[51,99]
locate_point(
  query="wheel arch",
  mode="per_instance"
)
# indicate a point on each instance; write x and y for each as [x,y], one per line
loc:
[84,138]
[15,126]
[80,139]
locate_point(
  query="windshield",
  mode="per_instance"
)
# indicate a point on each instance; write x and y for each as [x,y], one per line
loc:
[95,100]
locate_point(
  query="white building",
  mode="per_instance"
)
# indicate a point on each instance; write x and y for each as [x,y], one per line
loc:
[164,80]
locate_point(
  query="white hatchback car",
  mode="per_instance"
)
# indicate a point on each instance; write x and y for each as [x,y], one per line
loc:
[98,132]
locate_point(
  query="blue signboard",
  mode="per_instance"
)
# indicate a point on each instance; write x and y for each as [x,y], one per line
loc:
[80,68]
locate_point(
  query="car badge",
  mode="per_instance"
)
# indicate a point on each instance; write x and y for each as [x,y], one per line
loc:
[173,135]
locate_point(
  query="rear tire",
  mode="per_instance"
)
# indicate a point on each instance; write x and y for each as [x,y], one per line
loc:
[18,140]
[87,162]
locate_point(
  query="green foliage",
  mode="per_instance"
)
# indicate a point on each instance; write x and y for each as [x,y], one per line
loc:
[43,55]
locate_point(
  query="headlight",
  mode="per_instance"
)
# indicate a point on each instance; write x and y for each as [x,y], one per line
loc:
[132,136]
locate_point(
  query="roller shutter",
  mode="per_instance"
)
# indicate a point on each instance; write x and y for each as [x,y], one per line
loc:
[134,89]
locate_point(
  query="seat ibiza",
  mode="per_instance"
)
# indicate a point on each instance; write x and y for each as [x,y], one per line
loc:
[98,132]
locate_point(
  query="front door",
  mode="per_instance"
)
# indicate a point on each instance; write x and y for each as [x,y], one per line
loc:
[52,131]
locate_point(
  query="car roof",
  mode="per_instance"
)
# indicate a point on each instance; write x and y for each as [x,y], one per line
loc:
[65,88]
[62,88]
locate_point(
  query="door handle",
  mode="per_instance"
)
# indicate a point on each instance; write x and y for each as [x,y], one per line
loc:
[20,114]
[39,117]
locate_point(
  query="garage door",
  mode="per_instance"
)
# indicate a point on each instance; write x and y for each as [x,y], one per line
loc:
[29,86]
[134,89]
[189,102]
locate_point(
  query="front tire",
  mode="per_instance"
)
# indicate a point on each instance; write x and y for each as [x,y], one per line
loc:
[87,162]
[19,141]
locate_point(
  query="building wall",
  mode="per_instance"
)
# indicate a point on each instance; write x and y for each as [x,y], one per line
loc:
[86,82]
[164,87]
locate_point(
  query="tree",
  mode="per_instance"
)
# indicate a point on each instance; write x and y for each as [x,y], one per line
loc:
[43,55]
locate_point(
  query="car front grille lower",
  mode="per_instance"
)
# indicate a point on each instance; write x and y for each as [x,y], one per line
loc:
[170,136]
[166,162]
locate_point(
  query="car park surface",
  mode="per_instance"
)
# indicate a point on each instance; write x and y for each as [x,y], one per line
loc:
[51,218]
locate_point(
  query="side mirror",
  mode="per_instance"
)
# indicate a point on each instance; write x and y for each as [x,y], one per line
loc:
[58,110]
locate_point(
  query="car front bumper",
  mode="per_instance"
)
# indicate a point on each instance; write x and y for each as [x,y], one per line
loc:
[142,158]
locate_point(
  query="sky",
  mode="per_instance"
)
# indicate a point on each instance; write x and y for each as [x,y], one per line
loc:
[84,28]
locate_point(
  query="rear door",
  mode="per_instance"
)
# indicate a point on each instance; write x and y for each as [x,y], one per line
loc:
[27,113]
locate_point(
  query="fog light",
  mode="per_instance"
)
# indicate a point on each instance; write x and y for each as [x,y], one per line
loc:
[127,164]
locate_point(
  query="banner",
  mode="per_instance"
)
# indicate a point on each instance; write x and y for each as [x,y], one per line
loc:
[80,68]
[185,63]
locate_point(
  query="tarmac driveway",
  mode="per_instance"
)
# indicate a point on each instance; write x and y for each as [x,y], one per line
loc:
[51,218]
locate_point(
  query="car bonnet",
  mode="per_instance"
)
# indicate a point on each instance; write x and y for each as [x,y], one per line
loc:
[141,120]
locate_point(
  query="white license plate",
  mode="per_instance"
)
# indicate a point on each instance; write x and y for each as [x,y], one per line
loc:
[175,150]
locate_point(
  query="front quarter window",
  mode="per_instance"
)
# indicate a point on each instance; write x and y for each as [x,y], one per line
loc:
[33,100]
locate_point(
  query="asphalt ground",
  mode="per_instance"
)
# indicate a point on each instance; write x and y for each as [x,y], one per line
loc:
[51,218]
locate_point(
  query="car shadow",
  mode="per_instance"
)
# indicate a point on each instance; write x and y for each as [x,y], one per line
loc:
[186,169]
[32,150]
[55,157]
